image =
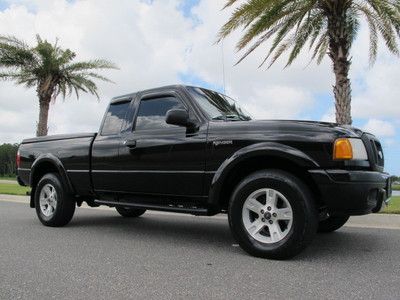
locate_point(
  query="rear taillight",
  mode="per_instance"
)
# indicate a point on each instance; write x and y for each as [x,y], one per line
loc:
[18,159]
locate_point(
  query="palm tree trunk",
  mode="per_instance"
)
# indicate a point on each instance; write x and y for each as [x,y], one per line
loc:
[342,91]
[339,50]
[44,105]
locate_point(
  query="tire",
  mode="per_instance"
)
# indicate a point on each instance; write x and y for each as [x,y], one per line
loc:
[293,215]
[127,212]
[54,207]
[332,223]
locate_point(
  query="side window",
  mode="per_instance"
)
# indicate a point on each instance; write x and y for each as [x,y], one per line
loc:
[152,112]
[115,118]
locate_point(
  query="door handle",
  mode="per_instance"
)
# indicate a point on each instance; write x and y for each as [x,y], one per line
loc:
[130,143]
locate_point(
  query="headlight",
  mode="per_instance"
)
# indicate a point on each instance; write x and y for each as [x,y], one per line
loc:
[349,148]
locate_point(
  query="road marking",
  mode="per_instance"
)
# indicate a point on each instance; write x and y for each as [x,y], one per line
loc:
[18,199]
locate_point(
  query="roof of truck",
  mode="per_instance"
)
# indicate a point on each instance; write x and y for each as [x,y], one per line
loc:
[157,89]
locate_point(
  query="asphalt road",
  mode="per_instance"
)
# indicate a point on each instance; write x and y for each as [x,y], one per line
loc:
[101,255]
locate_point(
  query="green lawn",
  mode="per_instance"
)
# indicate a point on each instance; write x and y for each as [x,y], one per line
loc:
[394,206]
[7,178]
[396,187]
[13,189]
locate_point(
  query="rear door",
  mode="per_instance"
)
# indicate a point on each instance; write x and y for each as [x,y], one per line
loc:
[163,159]
[105,159]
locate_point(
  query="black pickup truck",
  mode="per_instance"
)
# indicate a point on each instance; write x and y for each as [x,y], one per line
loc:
[192,150]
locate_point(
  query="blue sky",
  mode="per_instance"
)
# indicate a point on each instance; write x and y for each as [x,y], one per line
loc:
[177,37]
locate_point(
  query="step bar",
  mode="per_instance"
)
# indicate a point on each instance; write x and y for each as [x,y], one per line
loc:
[197,211]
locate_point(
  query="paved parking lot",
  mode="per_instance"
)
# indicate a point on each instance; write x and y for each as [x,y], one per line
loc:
[101,255]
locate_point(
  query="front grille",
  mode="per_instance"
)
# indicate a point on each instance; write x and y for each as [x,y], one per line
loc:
[375,151]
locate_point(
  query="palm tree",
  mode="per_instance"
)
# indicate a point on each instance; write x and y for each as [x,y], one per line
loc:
[329,27]
[50,69]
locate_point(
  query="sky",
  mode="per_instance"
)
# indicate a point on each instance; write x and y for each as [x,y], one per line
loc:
[160,42]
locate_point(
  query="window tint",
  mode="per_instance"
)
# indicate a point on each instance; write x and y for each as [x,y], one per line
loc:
[115,118]
[152,112]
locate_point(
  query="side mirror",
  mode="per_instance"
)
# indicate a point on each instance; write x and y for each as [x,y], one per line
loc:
[179,117]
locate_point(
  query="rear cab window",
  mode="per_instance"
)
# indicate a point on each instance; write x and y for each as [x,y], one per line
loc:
[115,118]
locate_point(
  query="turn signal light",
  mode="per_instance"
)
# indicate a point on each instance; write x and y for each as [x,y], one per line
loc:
[342,149]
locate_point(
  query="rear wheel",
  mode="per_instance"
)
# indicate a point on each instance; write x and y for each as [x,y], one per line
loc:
[128,212]
[54,207]
[332,223]
[272,215]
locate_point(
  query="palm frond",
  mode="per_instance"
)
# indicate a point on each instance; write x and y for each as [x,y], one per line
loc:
[289,25]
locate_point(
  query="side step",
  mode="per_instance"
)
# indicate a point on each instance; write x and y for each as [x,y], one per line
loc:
[170,208]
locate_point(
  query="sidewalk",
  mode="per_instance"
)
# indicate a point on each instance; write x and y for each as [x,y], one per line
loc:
[8,181]
[385,221]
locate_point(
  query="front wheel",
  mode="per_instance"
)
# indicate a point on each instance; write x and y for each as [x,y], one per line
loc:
[332,223]
[272,215]
[54,207]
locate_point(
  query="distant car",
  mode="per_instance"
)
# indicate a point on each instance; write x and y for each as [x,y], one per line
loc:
[192,150]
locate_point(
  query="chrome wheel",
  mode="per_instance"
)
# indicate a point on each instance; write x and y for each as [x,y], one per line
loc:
[48,200]
[267,216]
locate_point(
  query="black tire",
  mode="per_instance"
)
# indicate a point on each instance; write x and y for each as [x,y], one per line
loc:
[304,221]
[128,212]
[332,223]
[65,204]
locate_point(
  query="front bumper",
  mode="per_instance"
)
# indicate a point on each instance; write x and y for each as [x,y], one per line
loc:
[353,192]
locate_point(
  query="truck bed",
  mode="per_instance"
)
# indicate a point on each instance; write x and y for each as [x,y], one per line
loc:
[71,150]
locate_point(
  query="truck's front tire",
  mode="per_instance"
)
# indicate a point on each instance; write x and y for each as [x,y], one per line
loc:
[272,214]
[332,223]
[54,207]
[128,212]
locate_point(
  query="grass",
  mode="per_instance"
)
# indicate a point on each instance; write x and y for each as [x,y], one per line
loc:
[394,206]
[396,187]
[13,189]
[8,178]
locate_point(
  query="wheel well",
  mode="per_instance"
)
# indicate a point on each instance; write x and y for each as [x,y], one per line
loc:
[42,169]
[251,165]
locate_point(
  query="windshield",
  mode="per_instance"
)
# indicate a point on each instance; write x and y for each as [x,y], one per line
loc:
[218,106]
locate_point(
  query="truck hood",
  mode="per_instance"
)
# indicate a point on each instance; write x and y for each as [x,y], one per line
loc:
[291,126]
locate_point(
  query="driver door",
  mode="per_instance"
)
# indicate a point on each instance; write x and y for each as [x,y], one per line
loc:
[162,159]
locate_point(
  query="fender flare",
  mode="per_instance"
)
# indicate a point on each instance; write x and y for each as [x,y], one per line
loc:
[50,158]
[270,149]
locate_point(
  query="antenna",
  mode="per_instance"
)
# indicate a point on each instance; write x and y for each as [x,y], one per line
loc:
[223,66]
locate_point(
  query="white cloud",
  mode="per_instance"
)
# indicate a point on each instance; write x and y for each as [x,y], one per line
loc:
[278,102]
[380,128]
[329,116]
[147,41]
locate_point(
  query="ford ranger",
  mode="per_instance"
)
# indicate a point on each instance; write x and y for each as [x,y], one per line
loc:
[192,150]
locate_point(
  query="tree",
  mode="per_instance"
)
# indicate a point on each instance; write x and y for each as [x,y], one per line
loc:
[329,27]
[50,69]
[8,153]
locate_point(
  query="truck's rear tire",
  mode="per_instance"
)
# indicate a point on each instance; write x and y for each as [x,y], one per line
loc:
[54,207]
[332,223]
[272,214]
[128,212]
